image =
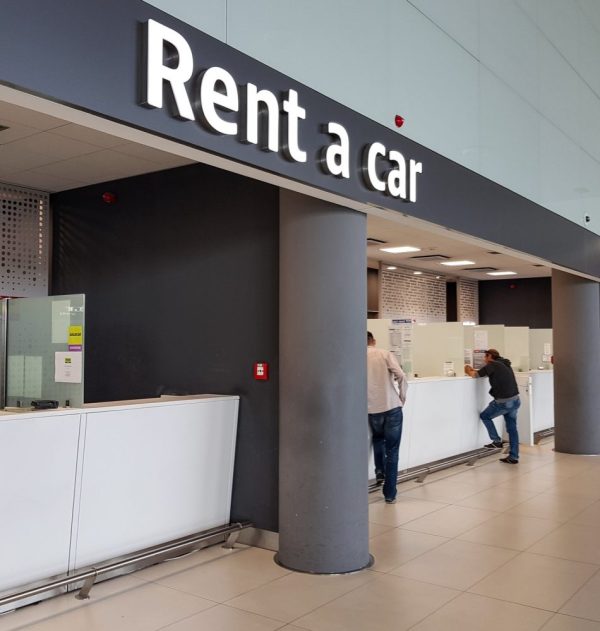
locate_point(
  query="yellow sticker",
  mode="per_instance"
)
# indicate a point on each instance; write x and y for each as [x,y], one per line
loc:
[76,334]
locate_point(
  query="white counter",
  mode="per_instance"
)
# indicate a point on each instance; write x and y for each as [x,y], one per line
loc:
[441,416]
[80,486]
[537,399]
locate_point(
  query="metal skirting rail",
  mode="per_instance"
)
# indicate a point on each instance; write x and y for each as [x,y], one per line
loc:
[543,433]
[231,531]
[420,473]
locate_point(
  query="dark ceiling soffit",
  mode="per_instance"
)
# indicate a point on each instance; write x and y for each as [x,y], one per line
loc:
[87,55]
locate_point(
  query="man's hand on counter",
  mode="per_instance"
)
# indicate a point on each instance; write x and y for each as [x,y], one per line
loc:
[469,370]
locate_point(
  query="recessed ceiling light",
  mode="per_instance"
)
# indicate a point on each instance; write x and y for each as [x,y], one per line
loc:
[417,273]
[401,249]
[455,263]
[391,267]
[438,277]
[501,273]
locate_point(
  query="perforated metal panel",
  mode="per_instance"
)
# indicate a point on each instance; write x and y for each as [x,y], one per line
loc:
[24,250]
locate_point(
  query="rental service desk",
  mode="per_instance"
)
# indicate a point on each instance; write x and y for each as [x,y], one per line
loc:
[441,416]
[81,486]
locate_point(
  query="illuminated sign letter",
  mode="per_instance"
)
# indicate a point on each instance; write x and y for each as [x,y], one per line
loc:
[157,72]
[336,158]
[369,169]
[261,104]
[396,180]
[294,114]
[415,167]
[211,97]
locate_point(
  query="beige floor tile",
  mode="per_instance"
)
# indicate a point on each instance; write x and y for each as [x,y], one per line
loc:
[377,529]
[188,561]
[67,602]
[528,482]
[141,607]
[586,602]
[405,509]
[496,499]
[456,564]
[399,546]
[447,491]
[582,486]
[489,476]
[536,581]
[516,532]
[589,517]
[450,521]
[470,612]
[573,542]
[227,577]
[564,468]
[389,602]
[222,618]
[551,506]
[295,595]
[568,623]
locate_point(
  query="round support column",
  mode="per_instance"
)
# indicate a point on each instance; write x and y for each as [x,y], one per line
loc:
[576,342]
[323,494]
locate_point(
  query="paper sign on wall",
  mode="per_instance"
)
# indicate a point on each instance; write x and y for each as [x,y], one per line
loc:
[75,337]
[67,367]
[481,340]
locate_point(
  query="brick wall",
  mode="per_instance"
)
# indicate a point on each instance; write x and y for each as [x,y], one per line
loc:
[467,297]
[422,298]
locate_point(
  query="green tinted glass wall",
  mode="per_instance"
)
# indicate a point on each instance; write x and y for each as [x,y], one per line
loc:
[45,350]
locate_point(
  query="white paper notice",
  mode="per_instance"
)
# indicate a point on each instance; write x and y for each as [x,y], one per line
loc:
[67,367]
[547,349]
[481,340]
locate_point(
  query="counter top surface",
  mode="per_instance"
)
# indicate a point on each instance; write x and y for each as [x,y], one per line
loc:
[91,408]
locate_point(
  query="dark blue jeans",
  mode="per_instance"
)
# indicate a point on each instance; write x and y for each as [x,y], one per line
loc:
[387,432]
[509,410]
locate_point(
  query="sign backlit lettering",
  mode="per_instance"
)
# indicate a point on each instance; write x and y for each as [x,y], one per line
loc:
[259,117]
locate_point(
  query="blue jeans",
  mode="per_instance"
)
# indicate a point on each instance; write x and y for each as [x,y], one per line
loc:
[509,411]
[387,431]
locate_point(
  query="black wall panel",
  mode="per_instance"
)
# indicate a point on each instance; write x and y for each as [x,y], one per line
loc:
[181,284]
[520,302]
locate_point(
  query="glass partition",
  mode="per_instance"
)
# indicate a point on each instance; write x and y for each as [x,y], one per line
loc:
[45,350]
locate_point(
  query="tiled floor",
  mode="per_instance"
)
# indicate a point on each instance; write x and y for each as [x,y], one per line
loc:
[473,548]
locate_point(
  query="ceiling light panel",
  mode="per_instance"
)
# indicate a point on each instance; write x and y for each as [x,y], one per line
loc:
[401,249]
[501,273]
[457,263]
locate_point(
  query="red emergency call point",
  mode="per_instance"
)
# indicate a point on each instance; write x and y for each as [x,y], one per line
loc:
[261,371]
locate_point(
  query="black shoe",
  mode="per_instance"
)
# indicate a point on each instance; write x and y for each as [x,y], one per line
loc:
[379,479]
[497,444]
[509,460]
[392,501]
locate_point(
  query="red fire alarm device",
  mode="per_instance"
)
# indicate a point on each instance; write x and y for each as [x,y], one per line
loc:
[261,371]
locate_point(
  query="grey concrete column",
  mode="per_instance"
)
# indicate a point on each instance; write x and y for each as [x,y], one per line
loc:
[323,494]
[576,342]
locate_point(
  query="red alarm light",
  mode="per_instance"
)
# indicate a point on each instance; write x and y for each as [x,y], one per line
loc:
[109,198]
[398,120]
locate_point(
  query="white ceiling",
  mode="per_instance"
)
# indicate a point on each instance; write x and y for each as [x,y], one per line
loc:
[451,244]
[51,154]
